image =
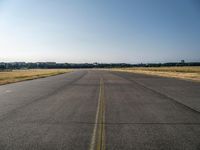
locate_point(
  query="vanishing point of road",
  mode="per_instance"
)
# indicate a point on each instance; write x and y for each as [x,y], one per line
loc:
[100,110]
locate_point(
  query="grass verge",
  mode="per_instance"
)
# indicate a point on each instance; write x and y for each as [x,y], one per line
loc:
[29,74]
[186,73]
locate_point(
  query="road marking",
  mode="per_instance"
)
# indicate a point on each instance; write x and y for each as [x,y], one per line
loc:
[8,91]
[98,136]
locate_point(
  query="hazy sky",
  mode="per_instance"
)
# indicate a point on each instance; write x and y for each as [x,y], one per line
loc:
[130,31]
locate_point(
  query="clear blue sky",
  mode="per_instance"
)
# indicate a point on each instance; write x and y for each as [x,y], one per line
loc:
[130,31]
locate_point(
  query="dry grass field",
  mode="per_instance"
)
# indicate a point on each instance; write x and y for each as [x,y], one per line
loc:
[187,73]
[21,75]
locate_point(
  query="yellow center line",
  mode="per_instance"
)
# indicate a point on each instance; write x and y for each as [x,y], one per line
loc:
[98,137]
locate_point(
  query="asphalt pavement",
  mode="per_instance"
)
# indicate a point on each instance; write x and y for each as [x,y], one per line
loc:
[100,110]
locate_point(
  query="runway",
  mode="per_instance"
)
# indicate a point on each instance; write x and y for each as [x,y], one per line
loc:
[98,110]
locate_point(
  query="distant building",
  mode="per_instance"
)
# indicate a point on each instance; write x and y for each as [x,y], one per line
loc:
[182,61]
[95,64]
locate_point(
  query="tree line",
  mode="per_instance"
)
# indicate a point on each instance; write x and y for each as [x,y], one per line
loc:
[54,65]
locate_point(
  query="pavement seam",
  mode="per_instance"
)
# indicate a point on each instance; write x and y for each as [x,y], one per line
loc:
[58,90]
[159,93]
[112,123]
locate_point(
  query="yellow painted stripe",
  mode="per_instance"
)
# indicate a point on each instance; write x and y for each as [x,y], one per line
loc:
[98,137]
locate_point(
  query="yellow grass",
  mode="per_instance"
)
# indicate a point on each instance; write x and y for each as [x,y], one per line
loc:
[21,75]
[187,73]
